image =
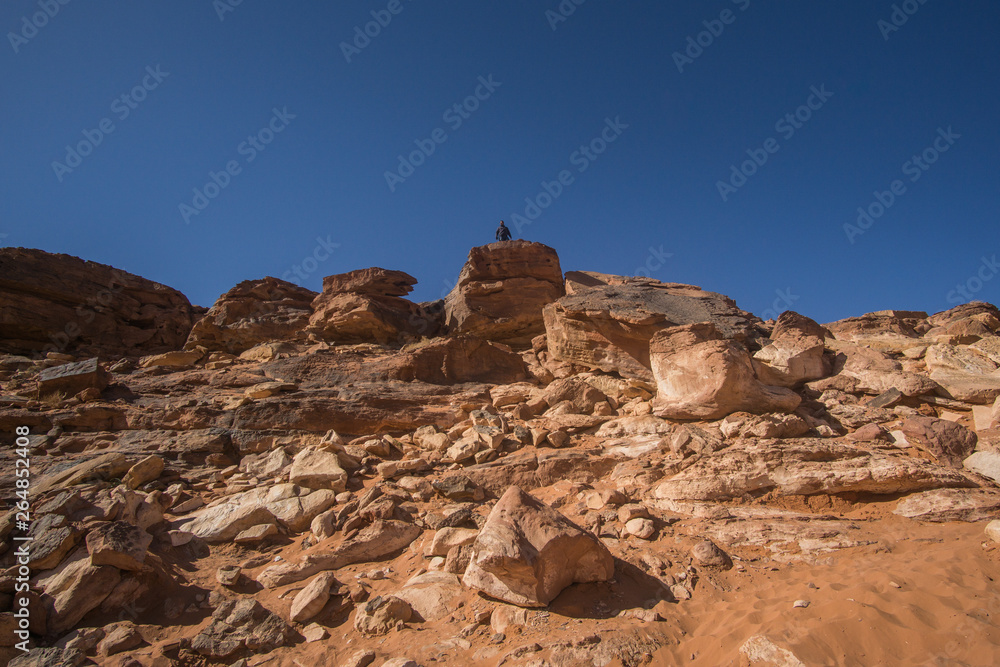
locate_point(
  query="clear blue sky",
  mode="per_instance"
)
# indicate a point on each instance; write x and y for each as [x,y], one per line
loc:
[780,236]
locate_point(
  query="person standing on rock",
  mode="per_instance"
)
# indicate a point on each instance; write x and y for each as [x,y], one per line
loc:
[503,234]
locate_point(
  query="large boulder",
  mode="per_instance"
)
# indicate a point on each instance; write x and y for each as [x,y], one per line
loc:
[366,306]
[527,553]
[59,303]
[74,589]
[242,627]
[794,354]
[254,312]
[606,322]
[701,375]
[501,291]
[964,373]
[948,441]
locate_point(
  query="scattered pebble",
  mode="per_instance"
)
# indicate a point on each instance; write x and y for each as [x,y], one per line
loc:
[801,603]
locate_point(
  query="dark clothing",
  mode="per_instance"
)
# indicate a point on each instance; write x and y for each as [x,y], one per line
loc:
[503,234]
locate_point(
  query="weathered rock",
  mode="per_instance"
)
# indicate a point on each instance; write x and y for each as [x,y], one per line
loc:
[242,626]
[607,322]
[431,595]
[948,441]
[640,527]
[76,588]
[318,469]
[447,538]
[993,530]
[118,544]
[708,553]
[59,303]
[527,553]
[297,513]
[744,424]
[310,600]
[381,614]
[699,375]
[964,373]
[120,637]
[883,324]
[458,359]
[175,359]
[986,464]
[759,650]
[950,505]
[222,523]
[795,353]
[380,539]
[367,306]
[68,380]
[252,313]
[104,466]
[51,546]
[581,394]
[805,467]
[501,291]
[144,471]
[255,534]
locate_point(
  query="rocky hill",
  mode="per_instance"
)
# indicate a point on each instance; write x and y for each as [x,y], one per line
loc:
[540,469]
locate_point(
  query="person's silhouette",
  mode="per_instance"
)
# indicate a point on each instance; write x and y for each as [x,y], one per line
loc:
[503,234]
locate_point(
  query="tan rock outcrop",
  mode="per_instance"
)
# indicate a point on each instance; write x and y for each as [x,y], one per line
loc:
[60,303]
[366,306]
[794,354]
[701,375]
[606,322]
[501,291]
[527,553]
[805,467]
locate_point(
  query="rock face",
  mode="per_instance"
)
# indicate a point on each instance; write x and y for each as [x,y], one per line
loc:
[527,553]
[366,306]
[254,312]
[59,303]
[459,359]
[606,322]
[501,291]
[70,379]
[701,375]
[805,467]
[795,353]
[949,442]
[965,373]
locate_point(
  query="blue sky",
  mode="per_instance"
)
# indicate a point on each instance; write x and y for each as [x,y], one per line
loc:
[642,124]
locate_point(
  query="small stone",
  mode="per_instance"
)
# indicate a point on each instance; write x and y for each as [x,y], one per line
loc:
[641,528]
[228,575]
[179,538]
[680,592]
[709,554]
[801,604]
[360,659]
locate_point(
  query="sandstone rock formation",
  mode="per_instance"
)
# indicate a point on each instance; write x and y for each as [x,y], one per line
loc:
[501,291]
[794,354]
[701,375]
[607,321]
[367,306]
[527,553]
[364,499]
[253,312]
[59,303]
